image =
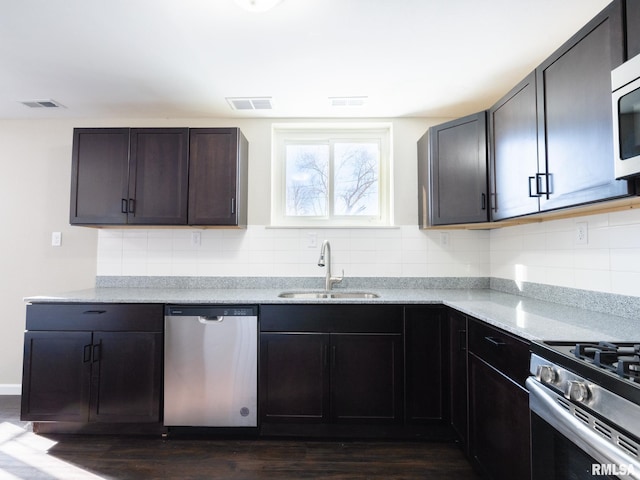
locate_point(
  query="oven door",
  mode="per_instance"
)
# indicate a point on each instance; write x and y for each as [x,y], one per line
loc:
[566,445]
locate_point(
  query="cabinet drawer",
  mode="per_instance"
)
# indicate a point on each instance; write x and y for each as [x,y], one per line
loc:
[95,316]
[505,352]
[331,318]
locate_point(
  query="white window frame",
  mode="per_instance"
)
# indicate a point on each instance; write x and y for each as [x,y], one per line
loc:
[283,134]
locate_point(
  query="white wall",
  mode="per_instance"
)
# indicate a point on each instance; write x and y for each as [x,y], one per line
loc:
[34,201]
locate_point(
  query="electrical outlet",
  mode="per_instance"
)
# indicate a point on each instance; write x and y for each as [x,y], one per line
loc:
[196,239]
[312,240]
[445,239]
[582,233]
[56,239]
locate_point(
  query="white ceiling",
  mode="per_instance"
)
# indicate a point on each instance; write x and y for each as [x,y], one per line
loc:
[182,58]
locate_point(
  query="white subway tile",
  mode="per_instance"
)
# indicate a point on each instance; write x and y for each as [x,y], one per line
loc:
[593,279]
[592,259]
[134,269]
[626,283]
[625,236]
[625,260]
[562,277]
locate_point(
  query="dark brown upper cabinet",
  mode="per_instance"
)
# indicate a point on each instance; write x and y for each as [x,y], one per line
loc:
[99,176]
[513,152]
[126,176]
[633,27]
[575,117]
[218,169]
[159,176]
[550,138]
[452,172]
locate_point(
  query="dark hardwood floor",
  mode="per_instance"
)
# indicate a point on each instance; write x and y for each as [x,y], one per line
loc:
[24,455]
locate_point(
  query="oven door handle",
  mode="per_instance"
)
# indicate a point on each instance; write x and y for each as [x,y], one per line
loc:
[544,405]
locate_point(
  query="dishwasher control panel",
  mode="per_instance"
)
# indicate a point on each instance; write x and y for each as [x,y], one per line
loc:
[218,310]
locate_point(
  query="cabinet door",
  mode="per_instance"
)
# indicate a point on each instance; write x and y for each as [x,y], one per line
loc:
[294,377]
[500,427]
[56,376]
[574,104]
[126,377]
[158,176]
[217,176]
[458,171]
[99,175]
[425,372]
[366,378]
[633,27]
[513,133]
[458,375]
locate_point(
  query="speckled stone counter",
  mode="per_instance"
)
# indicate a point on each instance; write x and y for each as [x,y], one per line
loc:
[529,318]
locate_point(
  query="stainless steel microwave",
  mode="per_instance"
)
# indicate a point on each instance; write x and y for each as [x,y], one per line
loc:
[625,83]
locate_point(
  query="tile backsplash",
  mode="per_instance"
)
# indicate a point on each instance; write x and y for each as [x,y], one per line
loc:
[545,253]
[261,251]
[550,253]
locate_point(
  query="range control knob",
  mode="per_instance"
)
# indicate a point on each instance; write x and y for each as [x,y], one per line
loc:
[577,391]
[546,374]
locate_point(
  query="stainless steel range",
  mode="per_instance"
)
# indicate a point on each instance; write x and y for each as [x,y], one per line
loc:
[585,410]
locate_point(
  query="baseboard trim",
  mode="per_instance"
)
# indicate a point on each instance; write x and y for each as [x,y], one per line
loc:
[10,389]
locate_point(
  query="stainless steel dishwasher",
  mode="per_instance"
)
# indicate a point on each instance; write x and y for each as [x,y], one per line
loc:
[210,366]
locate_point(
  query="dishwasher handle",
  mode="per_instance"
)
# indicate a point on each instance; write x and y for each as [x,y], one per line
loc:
[206,319]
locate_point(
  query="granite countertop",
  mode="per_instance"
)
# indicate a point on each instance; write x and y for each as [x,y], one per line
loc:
[529,318]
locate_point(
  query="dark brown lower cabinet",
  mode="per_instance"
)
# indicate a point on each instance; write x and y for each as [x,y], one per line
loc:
[366,378]
[294,377]
[499,428]
[459,378]
[334,378]
[500,423]
[57,379]
[93,364]
[330,365]
[427,383]
[358,370]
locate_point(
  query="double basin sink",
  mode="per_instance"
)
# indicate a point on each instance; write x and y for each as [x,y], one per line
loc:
[328,295]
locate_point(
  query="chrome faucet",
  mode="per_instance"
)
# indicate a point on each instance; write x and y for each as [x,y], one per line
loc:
[325,260]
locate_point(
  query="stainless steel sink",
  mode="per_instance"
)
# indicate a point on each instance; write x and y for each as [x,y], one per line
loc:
[324,294]
[353,295]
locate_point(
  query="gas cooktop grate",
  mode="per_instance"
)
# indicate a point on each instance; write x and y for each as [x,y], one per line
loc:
[622,359]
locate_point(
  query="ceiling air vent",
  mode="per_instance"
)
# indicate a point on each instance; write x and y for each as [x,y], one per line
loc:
[347,101]
[42,104]
[250,103]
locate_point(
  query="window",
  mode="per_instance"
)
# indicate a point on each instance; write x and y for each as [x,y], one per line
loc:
[331,175]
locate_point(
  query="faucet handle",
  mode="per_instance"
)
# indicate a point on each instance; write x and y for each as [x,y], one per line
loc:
[338,279]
